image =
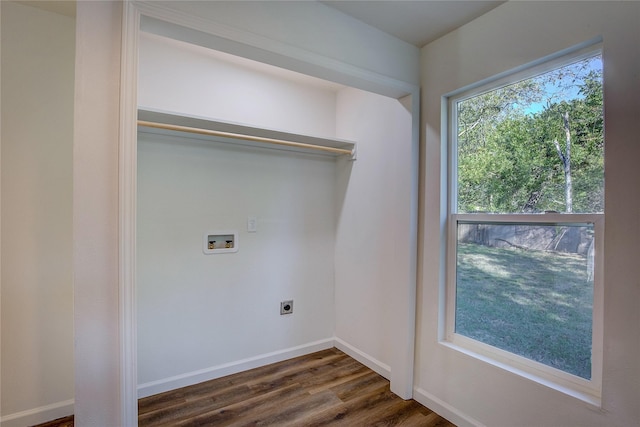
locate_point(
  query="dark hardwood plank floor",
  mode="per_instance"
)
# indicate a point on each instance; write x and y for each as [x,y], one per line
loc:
[60,422]
[326,388]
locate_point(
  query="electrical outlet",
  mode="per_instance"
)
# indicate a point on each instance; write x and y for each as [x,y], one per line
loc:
[286,307]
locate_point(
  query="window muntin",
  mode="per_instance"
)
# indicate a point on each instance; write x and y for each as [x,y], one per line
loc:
[521,191]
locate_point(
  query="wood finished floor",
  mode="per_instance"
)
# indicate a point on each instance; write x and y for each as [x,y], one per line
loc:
[60,422]
[320,389]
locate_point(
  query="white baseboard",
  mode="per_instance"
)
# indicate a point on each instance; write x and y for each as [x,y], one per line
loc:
[364,358]
[38,415]
[195,377]
[444,409]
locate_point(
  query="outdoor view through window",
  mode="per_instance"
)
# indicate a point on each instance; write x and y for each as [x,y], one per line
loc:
[525,153]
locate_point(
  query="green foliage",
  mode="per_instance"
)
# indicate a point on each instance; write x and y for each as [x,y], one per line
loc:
[507,158]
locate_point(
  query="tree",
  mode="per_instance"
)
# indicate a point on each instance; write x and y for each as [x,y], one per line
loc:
[478,153]
[565,158]
[518,154]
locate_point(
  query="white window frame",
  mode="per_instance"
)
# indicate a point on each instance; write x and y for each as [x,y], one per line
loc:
[587,390]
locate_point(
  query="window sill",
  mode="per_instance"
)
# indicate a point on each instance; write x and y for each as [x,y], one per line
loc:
[593,399]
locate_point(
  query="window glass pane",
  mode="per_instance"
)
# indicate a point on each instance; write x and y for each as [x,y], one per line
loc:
[528,289]
[534,146]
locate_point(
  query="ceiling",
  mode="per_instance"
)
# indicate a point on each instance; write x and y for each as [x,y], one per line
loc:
[417,22]
[63,7]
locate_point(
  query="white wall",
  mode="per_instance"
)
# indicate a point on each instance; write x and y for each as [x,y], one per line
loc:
[186,188]
[304,36]
[201,312]
[359,58]
[193,80]
[471,392]
[37,135]
[95,215]
[373,302]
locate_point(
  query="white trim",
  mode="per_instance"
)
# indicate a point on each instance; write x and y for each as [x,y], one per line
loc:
[362,357]
[404,356]
[206,374]
[201,375]
[586,390]
[597,313]
[297,59]
[527,219]
[445,410]
[532,69]
[127,153]
[0,216]
[38,415]
[568,384]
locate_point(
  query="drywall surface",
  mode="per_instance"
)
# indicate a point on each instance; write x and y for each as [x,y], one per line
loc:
[469,391]
[328,42]
[373,280]
[95,214]
[96,168]
[180,77]
[199,311]
[37,144]
[373,205]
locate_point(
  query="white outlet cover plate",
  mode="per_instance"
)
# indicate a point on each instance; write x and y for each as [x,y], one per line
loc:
[252,224]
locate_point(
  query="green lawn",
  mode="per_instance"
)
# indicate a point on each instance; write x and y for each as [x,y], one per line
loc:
[532,303]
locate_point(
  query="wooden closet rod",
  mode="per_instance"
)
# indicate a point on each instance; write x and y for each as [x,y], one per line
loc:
[243,137]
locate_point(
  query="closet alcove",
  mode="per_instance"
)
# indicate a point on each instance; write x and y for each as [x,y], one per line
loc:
[326,230]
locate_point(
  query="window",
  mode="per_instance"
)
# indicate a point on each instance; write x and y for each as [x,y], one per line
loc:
[526,205]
